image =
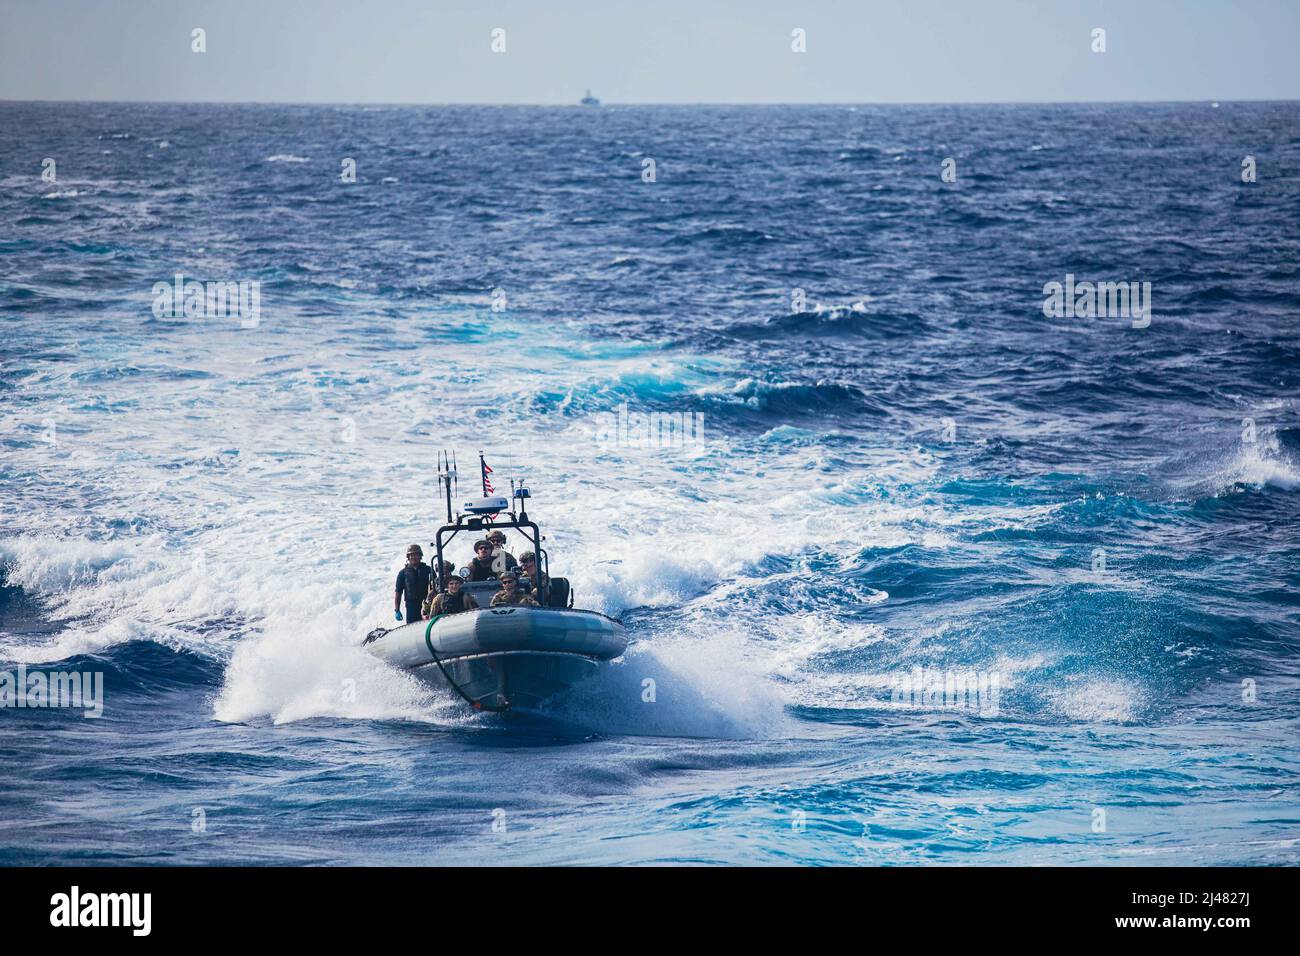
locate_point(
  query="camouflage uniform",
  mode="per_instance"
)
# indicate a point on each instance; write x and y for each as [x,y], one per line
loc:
[439,604]
[541,586]
[519,599]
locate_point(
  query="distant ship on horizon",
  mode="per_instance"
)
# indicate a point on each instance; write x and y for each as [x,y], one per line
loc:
[589,100]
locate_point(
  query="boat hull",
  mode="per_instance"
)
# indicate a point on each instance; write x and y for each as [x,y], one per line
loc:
[509,658]
[513,680]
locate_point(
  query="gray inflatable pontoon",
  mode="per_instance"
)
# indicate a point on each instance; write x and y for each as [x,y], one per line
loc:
[504,658]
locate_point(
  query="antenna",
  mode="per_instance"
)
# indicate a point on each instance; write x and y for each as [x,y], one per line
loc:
[446,475]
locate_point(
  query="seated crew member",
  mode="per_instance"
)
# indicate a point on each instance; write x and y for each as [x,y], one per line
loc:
[448,572]
[540,580]
[480,566]
[502,560]
[511,593]
[412,584]
[452,601]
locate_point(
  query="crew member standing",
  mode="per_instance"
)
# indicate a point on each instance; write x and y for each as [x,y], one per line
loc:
[502,560]
[480,566]
[412,584]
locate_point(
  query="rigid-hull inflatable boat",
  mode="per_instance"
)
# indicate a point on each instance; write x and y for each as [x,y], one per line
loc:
[512,657]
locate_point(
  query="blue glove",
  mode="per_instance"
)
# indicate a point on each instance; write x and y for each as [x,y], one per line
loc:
[397,615]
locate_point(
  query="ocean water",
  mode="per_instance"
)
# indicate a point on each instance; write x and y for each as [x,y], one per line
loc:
[919,470]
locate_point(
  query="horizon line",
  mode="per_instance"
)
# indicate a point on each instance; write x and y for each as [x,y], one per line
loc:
[605,105]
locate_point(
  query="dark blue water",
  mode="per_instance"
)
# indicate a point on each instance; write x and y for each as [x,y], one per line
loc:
[918,470]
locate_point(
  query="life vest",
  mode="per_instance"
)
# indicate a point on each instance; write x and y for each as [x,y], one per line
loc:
[415,584]
[479,571]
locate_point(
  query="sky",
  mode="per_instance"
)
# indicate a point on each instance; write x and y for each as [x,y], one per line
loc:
[649,51]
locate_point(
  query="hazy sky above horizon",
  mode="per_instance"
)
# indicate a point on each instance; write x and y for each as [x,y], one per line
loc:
[658,51]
